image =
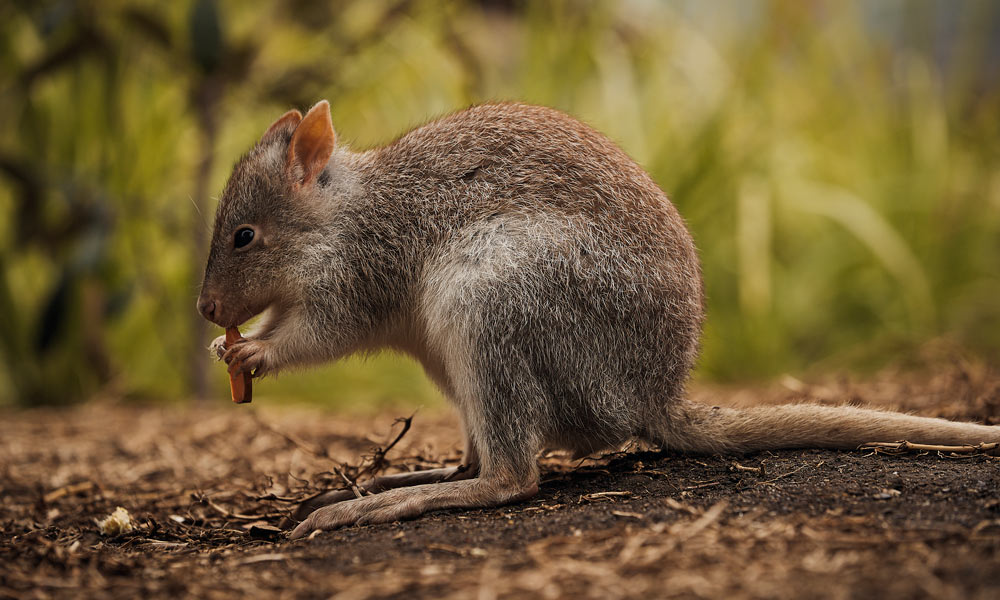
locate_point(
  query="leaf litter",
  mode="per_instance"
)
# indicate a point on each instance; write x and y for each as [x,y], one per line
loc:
[210,491]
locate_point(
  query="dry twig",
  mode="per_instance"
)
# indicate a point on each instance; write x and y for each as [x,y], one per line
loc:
[67,490]
[738,467]
[904,446]
[603,495]
[231,515]
[378,461]
[786,474]
[703,485]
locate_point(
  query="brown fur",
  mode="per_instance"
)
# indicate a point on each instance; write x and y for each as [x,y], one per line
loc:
[540,276]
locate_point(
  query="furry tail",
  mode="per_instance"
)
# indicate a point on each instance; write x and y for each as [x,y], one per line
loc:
[700,428]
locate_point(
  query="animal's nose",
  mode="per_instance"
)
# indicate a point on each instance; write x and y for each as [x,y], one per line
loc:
[206,306]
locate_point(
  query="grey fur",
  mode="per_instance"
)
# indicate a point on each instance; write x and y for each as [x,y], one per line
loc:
[544,281]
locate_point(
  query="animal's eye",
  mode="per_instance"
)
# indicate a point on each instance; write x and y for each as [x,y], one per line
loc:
[243,237]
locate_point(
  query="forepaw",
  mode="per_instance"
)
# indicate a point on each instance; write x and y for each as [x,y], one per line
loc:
[248,356]
[218,347]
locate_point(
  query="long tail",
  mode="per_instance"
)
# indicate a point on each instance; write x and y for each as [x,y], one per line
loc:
[700,428]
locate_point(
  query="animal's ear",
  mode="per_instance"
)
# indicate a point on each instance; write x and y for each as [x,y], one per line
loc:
[284,125]
[311,145]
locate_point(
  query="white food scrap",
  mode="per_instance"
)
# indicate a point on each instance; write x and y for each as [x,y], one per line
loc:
[116,523]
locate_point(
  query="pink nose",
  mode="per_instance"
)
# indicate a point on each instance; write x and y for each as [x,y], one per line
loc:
[206,306]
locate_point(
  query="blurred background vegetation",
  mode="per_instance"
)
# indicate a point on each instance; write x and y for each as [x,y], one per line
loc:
[838,164]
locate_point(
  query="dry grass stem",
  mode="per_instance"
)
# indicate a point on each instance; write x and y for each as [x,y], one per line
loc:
[904,446]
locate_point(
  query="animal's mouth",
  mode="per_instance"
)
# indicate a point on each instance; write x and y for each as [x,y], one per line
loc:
[246,315]
[226,319]
[230,311]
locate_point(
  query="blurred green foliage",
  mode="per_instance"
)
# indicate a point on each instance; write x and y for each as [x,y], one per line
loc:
[837,162]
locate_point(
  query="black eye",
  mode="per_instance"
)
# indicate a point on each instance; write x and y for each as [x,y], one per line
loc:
[243,237]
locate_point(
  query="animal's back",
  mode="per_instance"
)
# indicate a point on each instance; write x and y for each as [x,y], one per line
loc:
[562,253]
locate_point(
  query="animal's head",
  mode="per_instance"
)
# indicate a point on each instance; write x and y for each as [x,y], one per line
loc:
[267,206]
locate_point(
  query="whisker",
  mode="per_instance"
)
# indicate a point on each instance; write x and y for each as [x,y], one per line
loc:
[197,209]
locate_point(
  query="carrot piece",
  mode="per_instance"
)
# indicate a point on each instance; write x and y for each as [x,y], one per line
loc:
[240,385]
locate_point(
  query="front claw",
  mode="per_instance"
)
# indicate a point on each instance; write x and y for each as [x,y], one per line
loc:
[218,347]
[251,356]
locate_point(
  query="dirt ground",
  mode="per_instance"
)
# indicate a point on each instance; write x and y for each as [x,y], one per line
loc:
[207,487]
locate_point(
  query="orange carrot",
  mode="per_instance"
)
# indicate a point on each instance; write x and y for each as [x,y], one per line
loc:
[240,385]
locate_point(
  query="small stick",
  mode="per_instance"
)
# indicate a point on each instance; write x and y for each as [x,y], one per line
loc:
[703,485]
[351,483]
[231,515]
[910,446]
[67,490]
[241,385]
[378,461]
[407,422]
[273,497]
[786,474]
[601,495]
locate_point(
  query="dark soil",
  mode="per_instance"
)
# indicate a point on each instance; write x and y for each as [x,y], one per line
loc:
[207,487]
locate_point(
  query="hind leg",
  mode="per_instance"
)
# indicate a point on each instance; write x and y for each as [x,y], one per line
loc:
[407,503]
[468,469]
[506,474]
[500,401]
